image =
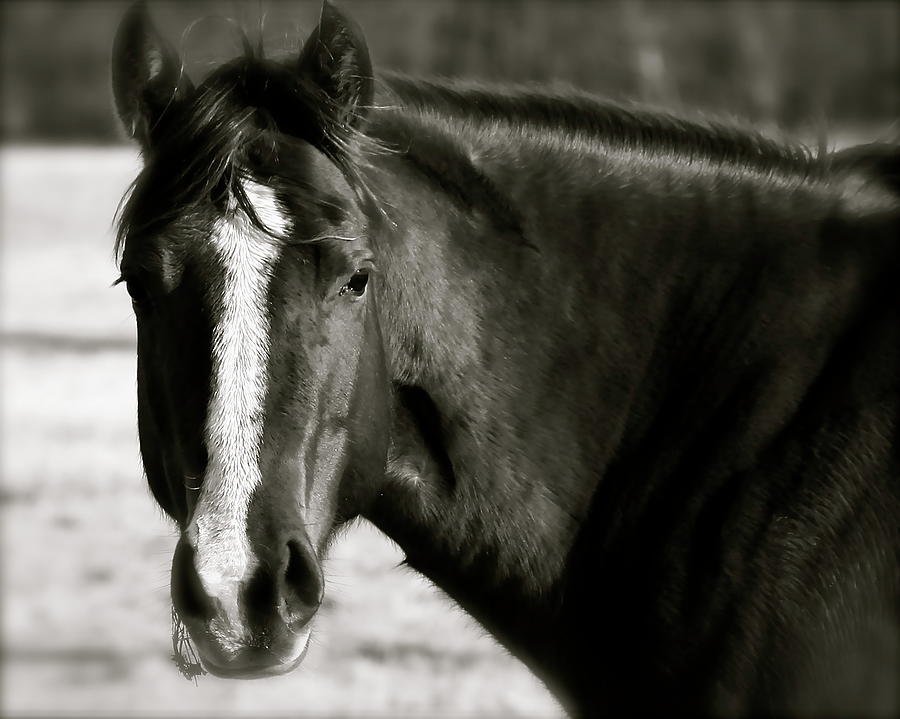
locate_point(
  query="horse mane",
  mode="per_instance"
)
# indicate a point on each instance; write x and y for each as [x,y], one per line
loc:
[582,122]
[236,121]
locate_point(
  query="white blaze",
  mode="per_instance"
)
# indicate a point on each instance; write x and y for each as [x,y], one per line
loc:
[234,423]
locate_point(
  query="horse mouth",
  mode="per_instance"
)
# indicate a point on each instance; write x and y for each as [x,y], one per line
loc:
[255,662]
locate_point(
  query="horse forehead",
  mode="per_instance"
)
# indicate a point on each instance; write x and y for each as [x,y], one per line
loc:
[245,252]
[238,253]
[234,230]
[266,205]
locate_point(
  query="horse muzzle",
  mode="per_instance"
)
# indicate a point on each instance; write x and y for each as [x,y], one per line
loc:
[255,662]
[255,625]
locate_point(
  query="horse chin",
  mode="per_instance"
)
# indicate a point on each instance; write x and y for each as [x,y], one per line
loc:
[255,662]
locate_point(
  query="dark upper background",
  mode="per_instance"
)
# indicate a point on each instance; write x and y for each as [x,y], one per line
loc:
[776,64]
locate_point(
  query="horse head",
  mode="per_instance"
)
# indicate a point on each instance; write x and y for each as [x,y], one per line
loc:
[263,393]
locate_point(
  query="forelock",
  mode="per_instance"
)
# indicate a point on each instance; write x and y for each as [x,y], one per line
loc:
[234,129]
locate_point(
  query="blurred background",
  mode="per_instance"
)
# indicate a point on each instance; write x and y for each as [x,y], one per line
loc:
[85,553]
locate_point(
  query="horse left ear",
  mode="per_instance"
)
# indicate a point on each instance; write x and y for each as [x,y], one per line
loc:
[336,58]
[146,74]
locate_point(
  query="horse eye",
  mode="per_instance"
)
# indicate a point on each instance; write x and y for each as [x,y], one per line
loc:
[357,284]
[136,291]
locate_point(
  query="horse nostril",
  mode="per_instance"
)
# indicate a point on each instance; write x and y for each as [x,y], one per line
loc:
[303,584]
[188,595]
[259,596]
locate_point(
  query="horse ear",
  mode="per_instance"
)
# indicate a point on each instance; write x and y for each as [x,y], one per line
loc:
[336,58]
[146,74]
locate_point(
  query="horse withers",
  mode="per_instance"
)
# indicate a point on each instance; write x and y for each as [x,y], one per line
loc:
[625,386]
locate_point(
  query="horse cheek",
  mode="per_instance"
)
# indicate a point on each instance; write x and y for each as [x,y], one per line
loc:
[368,423]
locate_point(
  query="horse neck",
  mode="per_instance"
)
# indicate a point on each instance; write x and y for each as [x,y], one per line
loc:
[540,310]
[471,508]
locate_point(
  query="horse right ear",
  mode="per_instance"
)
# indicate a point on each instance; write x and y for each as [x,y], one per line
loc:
[146,75]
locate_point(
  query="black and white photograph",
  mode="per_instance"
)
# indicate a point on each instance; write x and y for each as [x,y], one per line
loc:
[450,358]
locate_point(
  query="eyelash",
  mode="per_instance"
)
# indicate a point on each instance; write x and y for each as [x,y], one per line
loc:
[135,291]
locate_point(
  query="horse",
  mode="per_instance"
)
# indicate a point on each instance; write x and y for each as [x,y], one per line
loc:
[625,386]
